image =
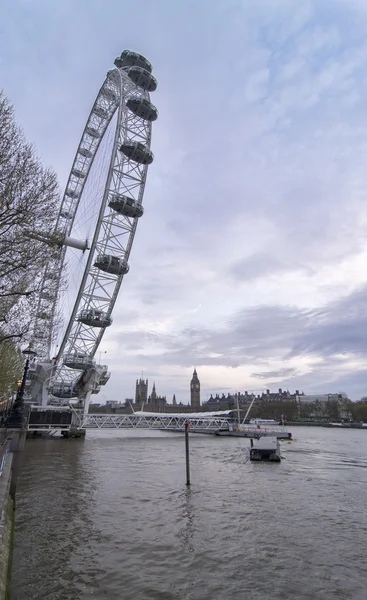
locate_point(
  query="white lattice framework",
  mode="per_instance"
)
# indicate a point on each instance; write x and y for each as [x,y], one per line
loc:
[114,232]
[135,421]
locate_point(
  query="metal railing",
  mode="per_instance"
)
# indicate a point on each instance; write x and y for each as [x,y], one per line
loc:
[149,421]
[4,451]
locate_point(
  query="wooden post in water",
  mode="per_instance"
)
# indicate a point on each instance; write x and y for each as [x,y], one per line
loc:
[187,429]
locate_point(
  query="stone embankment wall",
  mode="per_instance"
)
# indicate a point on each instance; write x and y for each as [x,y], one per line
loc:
[6,526]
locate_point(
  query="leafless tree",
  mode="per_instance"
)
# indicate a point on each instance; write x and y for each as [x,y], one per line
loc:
[29,201]
[11,361]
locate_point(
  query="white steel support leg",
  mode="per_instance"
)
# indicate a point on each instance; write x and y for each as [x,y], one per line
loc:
[44,393]
[86,403]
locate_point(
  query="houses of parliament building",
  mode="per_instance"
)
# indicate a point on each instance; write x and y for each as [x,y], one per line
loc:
[155,403]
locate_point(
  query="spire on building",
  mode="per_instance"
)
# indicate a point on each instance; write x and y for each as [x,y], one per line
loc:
[195,390]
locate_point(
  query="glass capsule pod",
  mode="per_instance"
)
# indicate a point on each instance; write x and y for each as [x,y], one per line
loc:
[94,133]
[109,94]
[137,152]
[50,276]
[104,378]
[141,107]
[111,264]
[85,152]
[126,206]
[94,318]
[72,193]
[78,173]
[42,315]
[133,59]
[63,389]
[78,360]
[142,78]
[45,295]
[40,334]
[101,112]
[66,215]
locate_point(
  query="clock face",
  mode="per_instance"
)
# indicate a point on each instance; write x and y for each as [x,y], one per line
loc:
[197,386]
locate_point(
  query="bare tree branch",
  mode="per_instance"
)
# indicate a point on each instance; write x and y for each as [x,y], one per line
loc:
[29,202]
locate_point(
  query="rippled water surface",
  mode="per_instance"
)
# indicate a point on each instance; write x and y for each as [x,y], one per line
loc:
[109,517]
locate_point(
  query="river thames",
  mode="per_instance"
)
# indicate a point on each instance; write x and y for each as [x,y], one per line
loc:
[109,517]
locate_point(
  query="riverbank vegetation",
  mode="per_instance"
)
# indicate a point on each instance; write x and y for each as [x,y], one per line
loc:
[29,200]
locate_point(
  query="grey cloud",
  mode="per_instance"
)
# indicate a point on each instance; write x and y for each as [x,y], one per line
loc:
[275,374]
[256,335]
[258,266]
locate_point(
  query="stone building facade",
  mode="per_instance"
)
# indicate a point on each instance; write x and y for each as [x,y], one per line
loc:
[156,403]
[141,392]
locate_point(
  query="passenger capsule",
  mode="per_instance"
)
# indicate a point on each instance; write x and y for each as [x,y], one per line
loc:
[137,152]
[104,378]
[72,193]
[109,94]
[50,276]
[142,78]
[100,112]
[78,173]
[63,389]
[40,334]
[132,59]
[126,206]
[42,315]
[96,390]
[111,264]
[94,318]
[94,133]
[142,108]
[85,152]
[45,295]
[66,215]
[78,360]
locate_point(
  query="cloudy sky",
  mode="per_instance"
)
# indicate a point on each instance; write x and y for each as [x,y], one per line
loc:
[250,260]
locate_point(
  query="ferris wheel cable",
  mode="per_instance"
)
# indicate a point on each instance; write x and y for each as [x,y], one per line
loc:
[57,280]
[93,189]
[68,226]
[94,241]
[87,207]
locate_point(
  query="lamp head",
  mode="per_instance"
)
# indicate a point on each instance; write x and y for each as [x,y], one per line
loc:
[29,352]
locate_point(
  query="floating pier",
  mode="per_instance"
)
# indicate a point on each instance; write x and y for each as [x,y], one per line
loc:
[265,449]
[256,433]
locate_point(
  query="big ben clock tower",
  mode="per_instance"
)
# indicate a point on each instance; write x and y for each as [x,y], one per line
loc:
[195,390]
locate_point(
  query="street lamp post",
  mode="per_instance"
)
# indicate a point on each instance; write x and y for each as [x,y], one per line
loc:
[16,417]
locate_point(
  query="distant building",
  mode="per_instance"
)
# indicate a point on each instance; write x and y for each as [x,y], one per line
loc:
[156,403]
[141,392]
[312,398]
[112,403]
[195,391]
[243,400]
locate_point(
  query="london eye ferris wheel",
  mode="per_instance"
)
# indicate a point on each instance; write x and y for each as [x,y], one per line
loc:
[103,201]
